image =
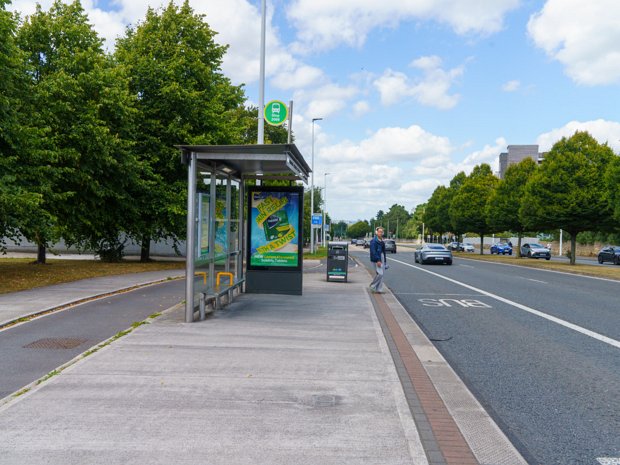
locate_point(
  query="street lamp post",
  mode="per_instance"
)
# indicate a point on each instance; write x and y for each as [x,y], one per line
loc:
[324,206]
[312,189]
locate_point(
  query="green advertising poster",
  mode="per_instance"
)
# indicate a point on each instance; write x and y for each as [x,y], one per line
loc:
[274,237]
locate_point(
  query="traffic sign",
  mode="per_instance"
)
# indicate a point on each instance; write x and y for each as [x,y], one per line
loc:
[275,113]
[317,219]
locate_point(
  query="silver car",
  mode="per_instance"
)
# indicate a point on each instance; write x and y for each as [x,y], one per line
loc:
[535,251]
[432,253]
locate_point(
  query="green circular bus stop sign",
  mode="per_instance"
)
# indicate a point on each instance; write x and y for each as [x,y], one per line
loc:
[275,113]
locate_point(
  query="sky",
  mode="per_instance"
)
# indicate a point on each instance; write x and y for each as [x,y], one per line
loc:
[411,92]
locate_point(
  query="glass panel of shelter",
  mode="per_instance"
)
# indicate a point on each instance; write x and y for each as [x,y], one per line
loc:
[217,251]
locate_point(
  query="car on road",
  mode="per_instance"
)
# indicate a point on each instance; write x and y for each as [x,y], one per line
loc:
[432,253]
[610,253]
[390,246]
[532,250]
[465,247]
[367,243]
[501,248]
[360,242]
[460,247]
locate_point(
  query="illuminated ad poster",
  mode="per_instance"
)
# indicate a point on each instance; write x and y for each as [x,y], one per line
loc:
[274,234]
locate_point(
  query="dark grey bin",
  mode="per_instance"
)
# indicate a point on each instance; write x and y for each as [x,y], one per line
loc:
[337,261]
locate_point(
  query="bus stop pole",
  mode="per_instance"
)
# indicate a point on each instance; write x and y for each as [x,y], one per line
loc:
[191,238]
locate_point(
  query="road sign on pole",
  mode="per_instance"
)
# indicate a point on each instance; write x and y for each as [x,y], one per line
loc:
[275,113]
[316,220]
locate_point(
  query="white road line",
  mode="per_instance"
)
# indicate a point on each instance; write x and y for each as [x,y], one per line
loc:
[609,460]
[587,332]
[536,280]
[466,266]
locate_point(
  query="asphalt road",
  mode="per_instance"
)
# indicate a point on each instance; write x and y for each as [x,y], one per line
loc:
[540,350]
[85,325]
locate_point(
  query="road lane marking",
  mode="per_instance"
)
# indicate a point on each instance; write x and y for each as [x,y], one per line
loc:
[536,280]
[566,324]
[465,266]
[608,461]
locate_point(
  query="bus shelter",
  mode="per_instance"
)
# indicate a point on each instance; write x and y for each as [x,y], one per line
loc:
[219,222]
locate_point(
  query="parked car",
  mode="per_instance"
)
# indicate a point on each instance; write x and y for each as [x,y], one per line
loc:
[432,253]
[465,247]
[366,243]
[501,248]
[390,246]
[453,246]
[360,242]
[535,251]
[611,253]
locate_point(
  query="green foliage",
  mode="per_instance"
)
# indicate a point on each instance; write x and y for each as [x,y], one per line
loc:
[358,229]
[80,112]
[612,181]
[468,208]
[182,98]
[396,217]
[567,191]
[248,125]
[436,214]
[505,202]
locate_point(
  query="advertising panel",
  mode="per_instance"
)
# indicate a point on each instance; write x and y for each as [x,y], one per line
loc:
[274,232]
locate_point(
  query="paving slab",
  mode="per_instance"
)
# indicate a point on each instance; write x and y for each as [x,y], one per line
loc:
[268,380]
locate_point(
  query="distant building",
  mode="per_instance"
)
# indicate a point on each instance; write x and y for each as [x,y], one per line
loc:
[515,154]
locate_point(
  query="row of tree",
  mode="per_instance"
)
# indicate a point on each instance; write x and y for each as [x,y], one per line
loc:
[87,137]
[576,188]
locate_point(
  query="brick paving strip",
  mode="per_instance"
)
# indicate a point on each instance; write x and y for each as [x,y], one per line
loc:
[441,437]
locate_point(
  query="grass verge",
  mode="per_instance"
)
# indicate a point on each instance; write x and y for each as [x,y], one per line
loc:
[609,272]
[19,274]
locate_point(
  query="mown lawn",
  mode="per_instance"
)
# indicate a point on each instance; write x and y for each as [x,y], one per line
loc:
[18,274]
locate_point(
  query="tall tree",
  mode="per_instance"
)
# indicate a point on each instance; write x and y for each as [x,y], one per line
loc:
[80,112]
[505,202]
[468,208]
[16,203]
[612,179]
[566,192]
[435,215]
[358,229]
[182,98]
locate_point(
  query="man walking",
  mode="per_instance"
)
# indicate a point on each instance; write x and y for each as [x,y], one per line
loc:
[378,258]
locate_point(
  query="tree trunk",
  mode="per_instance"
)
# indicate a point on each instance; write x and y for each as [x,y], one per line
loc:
[145,249]
[40,254]
[481,244]
[519,245]
[573,247]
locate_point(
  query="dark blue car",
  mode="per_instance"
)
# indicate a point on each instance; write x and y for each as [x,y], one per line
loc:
[501,248]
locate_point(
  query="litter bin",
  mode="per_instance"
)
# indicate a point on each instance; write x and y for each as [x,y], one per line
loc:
[337,261]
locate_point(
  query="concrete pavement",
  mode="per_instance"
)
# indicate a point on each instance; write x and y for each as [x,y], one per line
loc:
[331,377]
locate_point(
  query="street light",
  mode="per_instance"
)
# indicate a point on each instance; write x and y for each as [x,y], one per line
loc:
[312,189]
[324,205]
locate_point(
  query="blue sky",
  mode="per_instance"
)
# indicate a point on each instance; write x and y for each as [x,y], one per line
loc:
[413,91]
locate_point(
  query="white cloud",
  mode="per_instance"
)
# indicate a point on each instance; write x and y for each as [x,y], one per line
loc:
[299,77]
[325,24]
[581,35]
[326,100]
[511,86]
[361,108]
[603,131]
[430,90]
[391,145]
